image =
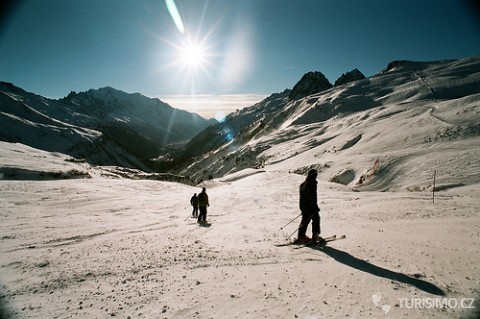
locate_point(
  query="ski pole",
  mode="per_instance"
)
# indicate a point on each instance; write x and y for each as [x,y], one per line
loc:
[189,215]
[281,228]
[300,224]
[293,233]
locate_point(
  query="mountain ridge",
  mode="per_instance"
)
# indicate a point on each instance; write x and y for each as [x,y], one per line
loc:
[104,126]
[337,120]
[356,130]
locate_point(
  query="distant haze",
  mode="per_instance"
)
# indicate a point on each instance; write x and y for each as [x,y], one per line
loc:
[210,105]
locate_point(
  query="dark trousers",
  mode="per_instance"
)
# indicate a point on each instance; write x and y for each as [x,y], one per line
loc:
[306,217]
[195,211]
[202,217]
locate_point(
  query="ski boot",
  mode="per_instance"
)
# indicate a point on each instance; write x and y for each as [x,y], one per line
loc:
[317,239]
[302,240]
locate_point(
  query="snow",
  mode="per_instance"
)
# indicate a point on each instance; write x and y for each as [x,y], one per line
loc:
[83,248]
[82,241]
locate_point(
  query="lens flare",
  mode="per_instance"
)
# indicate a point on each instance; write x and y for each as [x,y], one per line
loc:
[199,60]
[220,116]
[227,135]
[172,9]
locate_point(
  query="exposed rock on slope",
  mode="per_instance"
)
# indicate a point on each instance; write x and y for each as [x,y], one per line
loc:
[348,77]
[310,83]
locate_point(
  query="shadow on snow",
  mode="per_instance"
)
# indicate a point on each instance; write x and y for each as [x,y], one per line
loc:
[354,262]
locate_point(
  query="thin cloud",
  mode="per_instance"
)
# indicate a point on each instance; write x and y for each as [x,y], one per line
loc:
[209,105]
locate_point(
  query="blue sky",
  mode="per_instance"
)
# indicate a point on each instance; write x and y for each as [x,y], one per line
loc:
[248,48]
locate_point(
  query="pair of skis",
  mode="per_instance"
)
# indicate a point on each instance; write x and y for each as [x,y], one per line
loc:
[325,241]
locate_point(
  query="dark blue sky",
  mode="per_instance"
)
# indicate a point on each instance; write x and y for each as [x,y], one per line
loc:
[255,47]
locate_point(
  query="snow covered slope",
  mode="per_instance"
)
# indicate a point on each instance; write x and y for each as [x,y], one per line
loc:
[390,131]
[98,248]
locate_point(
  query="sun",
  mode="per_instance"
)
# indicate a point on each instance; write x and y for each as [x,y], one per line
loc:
[192,53]
[193,56]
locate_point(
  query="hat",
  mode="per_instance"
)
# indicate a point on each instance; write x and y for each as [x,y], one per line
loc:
[312,173]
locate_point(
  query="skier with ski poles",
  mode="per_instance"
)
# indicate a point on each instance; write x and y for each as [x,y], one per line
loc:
[194,203]
[310,210]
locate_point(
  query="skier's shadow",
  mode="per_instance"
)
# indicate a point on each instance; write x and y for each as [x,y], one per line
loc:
[354,262]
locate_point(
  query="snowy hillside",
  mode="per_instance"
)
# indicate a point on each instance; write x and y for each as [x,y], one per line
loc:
[390,131]
[105,126]
[118,247]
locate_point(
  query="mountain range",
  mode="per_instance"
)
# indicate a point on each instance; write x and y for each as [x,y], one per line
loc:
[102,127]
[397,122]
[90,229]
[390,124]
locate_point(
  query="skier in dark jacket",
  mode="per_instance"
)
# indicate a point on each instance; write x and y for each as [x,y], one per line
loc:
[194,203]
[309,208]
[203,204]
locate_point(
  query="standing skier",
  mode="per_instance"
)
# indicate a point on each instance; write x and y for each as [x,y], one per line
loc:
[194,203]
[309,208]
[203,204]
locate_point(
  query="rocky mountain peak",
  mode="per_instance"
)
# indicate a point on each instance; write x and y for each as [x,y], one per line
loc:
[348,77]
[310,83]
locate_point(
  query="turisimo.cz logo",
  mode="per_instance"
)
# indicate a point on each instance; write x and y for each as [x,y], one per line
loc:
[377,301]
[429,303]
[424,303]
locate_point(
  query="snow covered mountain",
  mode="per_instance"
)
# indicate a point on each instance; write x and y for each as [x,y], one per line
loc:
[370,133]
[104,126]
[119,245]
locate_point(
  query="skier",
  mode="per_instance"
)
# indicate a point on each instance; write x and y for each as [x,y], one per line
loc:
[203,204]
[194,203]
[309,209]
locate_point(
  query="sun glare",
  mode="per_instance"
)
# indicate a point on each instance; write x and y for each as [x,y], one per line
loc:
[190,58]
[193,55]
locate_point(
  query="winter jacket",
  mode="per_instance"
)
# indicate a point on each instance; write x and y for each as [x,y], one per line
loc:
[308,196]
[194,201]
[203,200]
